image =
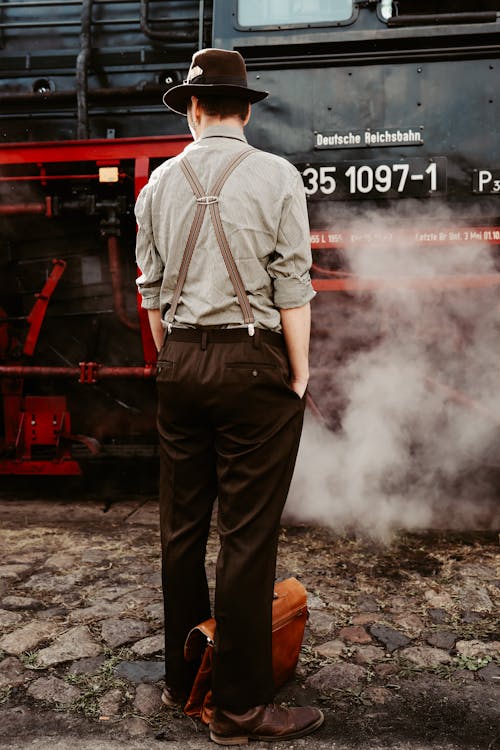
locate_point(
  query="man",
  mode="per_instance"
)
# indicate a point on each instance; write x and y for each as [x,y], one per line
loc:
[223,246]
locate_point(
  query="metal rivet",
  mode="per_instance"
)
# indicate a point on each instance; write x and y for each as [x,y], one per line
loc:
[254,373]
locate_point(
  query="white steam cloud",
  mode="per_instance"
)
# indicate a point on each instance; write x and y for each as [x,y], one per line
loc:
[416,441]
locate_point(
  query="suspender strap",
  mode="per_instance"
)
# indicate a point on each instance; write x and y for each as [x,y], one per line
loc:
[212,200]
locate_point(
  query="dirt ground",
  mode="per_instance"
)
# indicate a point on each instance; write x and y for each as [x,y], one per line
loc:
[402,648]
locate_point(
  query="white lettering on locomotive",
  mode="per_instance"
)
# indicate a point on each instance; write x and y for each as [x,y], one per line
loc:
[385,137]
[337,139]
[369,138]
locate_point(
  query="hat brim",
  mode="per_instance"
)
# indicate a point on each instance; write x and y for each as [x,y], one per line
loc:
[178,97]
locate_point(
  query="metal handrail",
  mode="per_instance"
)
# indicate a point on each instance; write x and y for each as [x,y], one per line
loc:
[99,22]
[49,3]
[170,35]
[145,22]
[427,19]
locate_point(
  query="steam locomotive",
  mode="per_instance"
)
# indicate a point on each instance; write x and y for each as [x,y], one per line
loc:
[381,105]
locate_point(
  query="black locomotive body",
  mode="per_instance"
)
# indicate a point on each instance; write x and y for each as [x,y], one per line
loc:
[389,110]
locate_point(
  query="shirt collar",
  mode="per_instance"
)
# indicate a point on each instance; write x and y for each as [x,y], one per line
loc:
[223,131]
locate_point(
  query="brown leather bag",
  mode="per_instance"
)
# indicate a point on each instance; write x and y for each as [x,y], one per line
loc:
[289,620]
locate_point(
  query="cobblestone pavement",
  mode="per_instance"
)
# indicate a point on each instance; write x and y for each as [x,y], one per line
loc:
[402,648]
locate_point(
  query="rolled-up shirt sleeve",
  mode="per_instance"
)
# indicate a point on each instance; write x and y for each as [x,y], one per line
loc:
[292,259]
[147,256]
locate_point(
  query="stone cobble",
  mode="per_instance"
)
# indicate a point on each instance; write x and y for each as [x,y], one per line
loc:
[28,637]
[53,690]
[75,643]
[117,632]
[81,623]
[13,673]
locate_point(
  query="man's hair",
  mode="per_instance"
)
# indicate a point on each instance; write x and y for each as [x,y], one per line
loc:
[224,106]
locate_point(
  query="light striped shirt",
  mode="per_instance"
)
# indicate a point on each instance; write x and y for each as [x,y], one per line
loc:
[264,214]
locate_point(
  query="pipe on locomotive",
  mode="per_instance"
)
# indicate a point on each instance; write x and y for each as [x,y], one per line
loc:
[171,35]
[115,270]
[434,19]
[82,65]
[87,372]
[14,209]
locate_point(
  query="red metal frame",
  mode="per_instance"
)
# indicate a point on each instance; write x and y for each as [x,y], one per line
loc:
[37,314]
[86,372]
[44,178]
[43,421]
[430,239]
[99,149]
[355,284]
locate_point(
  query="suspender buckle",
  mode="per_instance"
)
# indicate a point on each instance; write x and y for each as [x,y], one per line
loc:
[251,329]
[169,328]
[206,200]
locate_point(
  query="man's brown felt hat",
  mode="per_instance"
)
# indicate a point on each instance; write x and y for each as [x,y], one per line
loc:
[213,72]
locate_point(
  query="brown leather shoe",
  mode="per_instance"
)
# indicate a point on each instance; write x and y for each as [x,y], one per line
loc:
[269,723]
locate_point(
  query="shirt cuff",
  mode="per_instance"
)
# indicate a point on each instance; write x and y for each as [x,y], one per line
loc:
[293,291]
[151,302]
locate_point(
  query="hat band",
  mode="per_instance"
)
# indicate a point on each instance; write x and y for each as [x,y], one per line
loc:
[207,80]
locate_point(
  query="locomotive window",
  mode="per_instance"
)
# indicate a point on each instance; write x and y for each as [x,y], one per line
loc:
[293,12]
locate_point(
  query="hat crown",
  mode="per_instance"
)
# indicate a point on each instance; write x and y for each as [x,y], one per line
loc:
[211,66]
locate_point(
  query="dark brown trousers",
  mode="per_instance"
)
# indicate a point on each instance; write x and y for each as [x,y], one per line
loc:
[229,427]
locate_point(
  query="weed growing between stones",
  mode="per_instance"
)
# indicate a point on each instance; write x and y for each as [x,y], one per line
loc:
[472,663]
[355,696]
[113,659]
[94,686]
[29,659]
[445,671]
[407,670]
[156,722]
[310,660]
[485,629]
[87,703]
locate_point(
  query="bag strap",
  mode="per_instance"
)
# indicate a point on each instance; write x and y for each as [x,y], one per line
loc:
[212,201]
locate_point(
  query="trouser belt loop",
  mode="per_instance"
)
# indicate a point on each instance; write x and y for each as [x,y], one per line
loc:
[204,339]
[256,339]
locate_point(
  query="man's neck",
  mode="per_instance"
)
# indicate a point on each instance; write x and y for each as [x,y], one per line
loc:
[206,121]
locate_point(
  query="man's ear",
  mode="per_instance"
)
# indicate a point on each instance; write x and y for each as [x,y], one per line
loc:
[249,113]
[195,108]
